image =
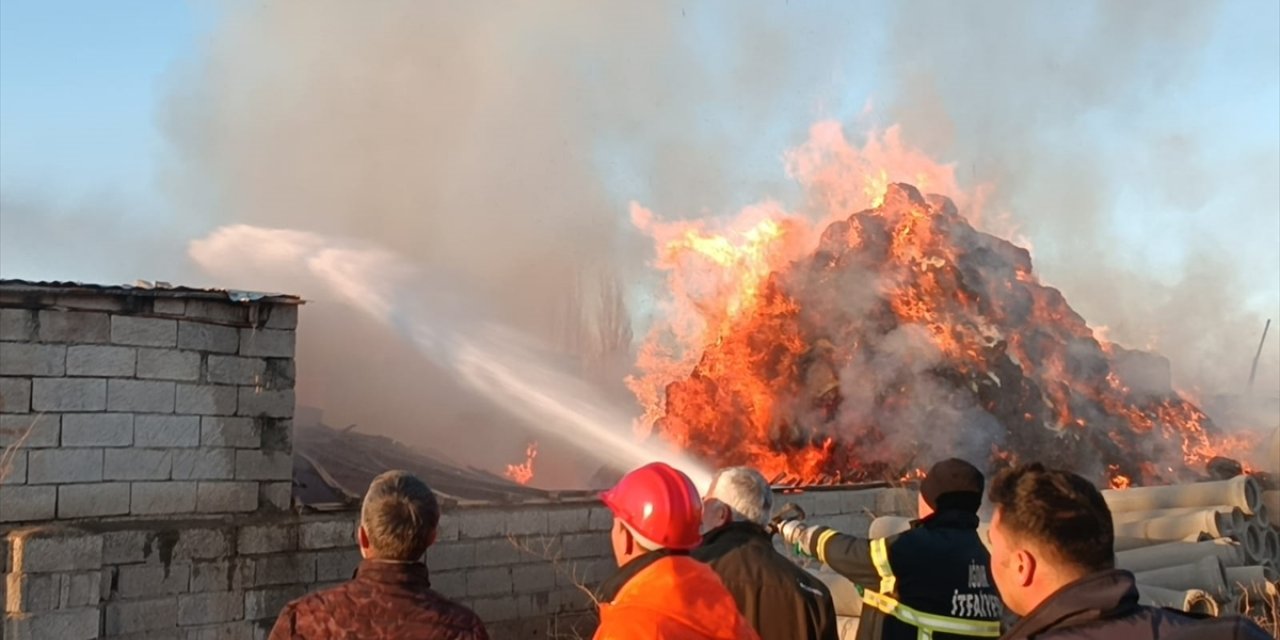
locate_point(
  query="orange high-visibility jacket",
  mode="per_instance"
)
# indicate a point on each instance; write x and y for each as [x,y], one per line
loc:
[675,598]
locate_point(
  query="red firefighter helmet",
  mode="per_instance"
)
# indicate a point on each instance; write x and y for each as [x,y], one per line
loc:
[661,506]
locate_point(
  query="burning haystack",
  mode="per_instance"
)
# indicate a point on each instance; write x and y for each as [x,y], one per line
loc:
[906,335]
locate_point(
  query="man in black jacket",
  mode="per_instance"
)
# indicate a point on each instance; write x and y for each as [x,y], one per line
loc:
[932,581]
[1053,559]
[780,600]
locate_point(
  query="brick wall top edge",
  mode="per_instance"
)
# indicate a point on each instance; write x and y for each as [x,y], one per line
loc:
[18,288]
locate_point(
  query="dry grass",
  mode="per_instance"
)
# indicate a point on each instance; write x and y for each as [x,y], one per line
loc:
[549,550]
[1264,610]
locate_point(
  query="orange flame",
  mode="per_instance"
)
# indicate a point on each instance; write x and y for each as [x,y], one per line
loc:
[523,473]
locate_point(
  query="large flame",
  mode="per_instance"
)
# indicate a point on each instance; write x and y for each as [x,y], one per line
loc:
[773,332]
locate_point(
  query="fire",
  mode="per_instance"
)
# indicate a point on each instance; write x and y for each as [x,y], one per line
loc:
[842,344]
[523,473]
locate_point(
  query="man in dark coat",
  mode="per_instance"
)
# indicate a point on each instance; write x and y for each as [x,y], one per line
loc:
[1053,559]
[779,599]
[390,597]
[932,581]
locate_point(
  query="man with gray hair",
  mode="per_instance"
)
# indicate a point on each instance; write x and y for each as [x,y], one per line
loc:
[390,596]
[779,599]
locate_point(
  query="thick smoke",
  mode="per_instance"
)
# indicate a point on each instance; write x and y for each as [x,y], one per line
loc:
[1018,93]
[498,149]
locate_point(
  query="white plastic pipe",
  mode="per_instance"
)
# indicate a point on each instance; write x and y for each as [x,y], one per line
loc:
[1259,581]
[1228,551]
[1193,600]
[1240,491]
[1205,574]
[1238,520]
[1170,528]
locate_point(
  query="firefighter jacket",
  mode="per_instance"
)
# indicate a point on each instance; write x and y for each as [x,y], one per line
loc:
[932,582]
[779,599]
[668,596]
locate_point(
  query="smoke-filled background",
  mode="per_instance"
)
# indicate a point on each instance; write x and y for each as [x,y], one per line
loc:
[1134,145]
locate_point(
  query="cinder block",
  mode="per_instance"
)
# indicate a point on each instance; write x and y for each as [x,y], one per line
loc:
[444,556]
[220,431]
[266,604]
[81,301]
[332,566]
[13,468]
[281,316]
[585,545]
[294,568]
[26,503]
[206,400]
[235,370]
[157,498]
[93,500]
[262,465]
[529,578]
[527,521]
[896,502]
[31,430]
[49,550]
[68,394]
[327,534]
[150,580]
[166,431]
[268,538]
[207,464]
[227,497]
[101,360]
[168,364]
[276,496]
[144,332]
[55,466]
[169,306]
[452,584]
[142,396]
[235,574]
[267,343]
[600,519]
[97,429]
[32,593]
[17,324]
[277,433]
[127,546]
[138,616]
[281,373]
[199,336]
[74,326]
[26,359]
[489,582]
[203,544]
[65,624]
[496,609]
[221,311]
[572,520]
[479,524]
[137,464]
[80,589]
[261,402]
[506,551]
[15,395]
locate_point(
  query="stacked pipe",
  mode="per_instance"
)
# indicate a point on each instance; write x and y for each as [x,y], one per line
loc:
[1204,547]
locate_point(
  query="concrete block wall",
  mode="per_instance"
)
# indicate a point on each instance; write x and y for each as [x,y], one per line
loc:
[139,403]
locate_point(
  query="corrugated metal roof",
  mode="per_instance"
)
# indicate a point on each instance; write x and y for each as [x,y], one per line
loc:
[144,288]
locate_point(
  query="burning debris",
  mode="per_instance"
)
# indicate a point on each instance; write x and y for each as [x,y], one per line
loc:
[907,333]
[522,473]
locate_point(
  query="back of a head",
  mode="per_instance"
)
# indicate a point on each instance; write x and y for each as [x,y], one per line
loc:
[1064,514]
[400,515]
[745,492]
[953,483]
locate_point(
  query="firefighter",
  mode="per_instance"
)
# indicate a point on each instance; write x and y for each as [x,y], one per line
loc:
[660,592]
[932,582]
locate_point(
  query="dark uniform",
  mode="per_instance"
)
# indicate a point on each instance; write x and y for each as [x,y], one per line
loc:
[780,600]
[932,582]
[920,584]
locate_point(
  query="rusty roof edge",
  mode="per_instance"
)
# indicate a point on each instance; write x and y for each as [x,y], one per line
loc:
[146,289]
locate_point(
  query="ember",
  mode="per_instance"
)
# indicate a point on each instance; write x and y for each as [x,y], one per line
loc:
[904,335]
